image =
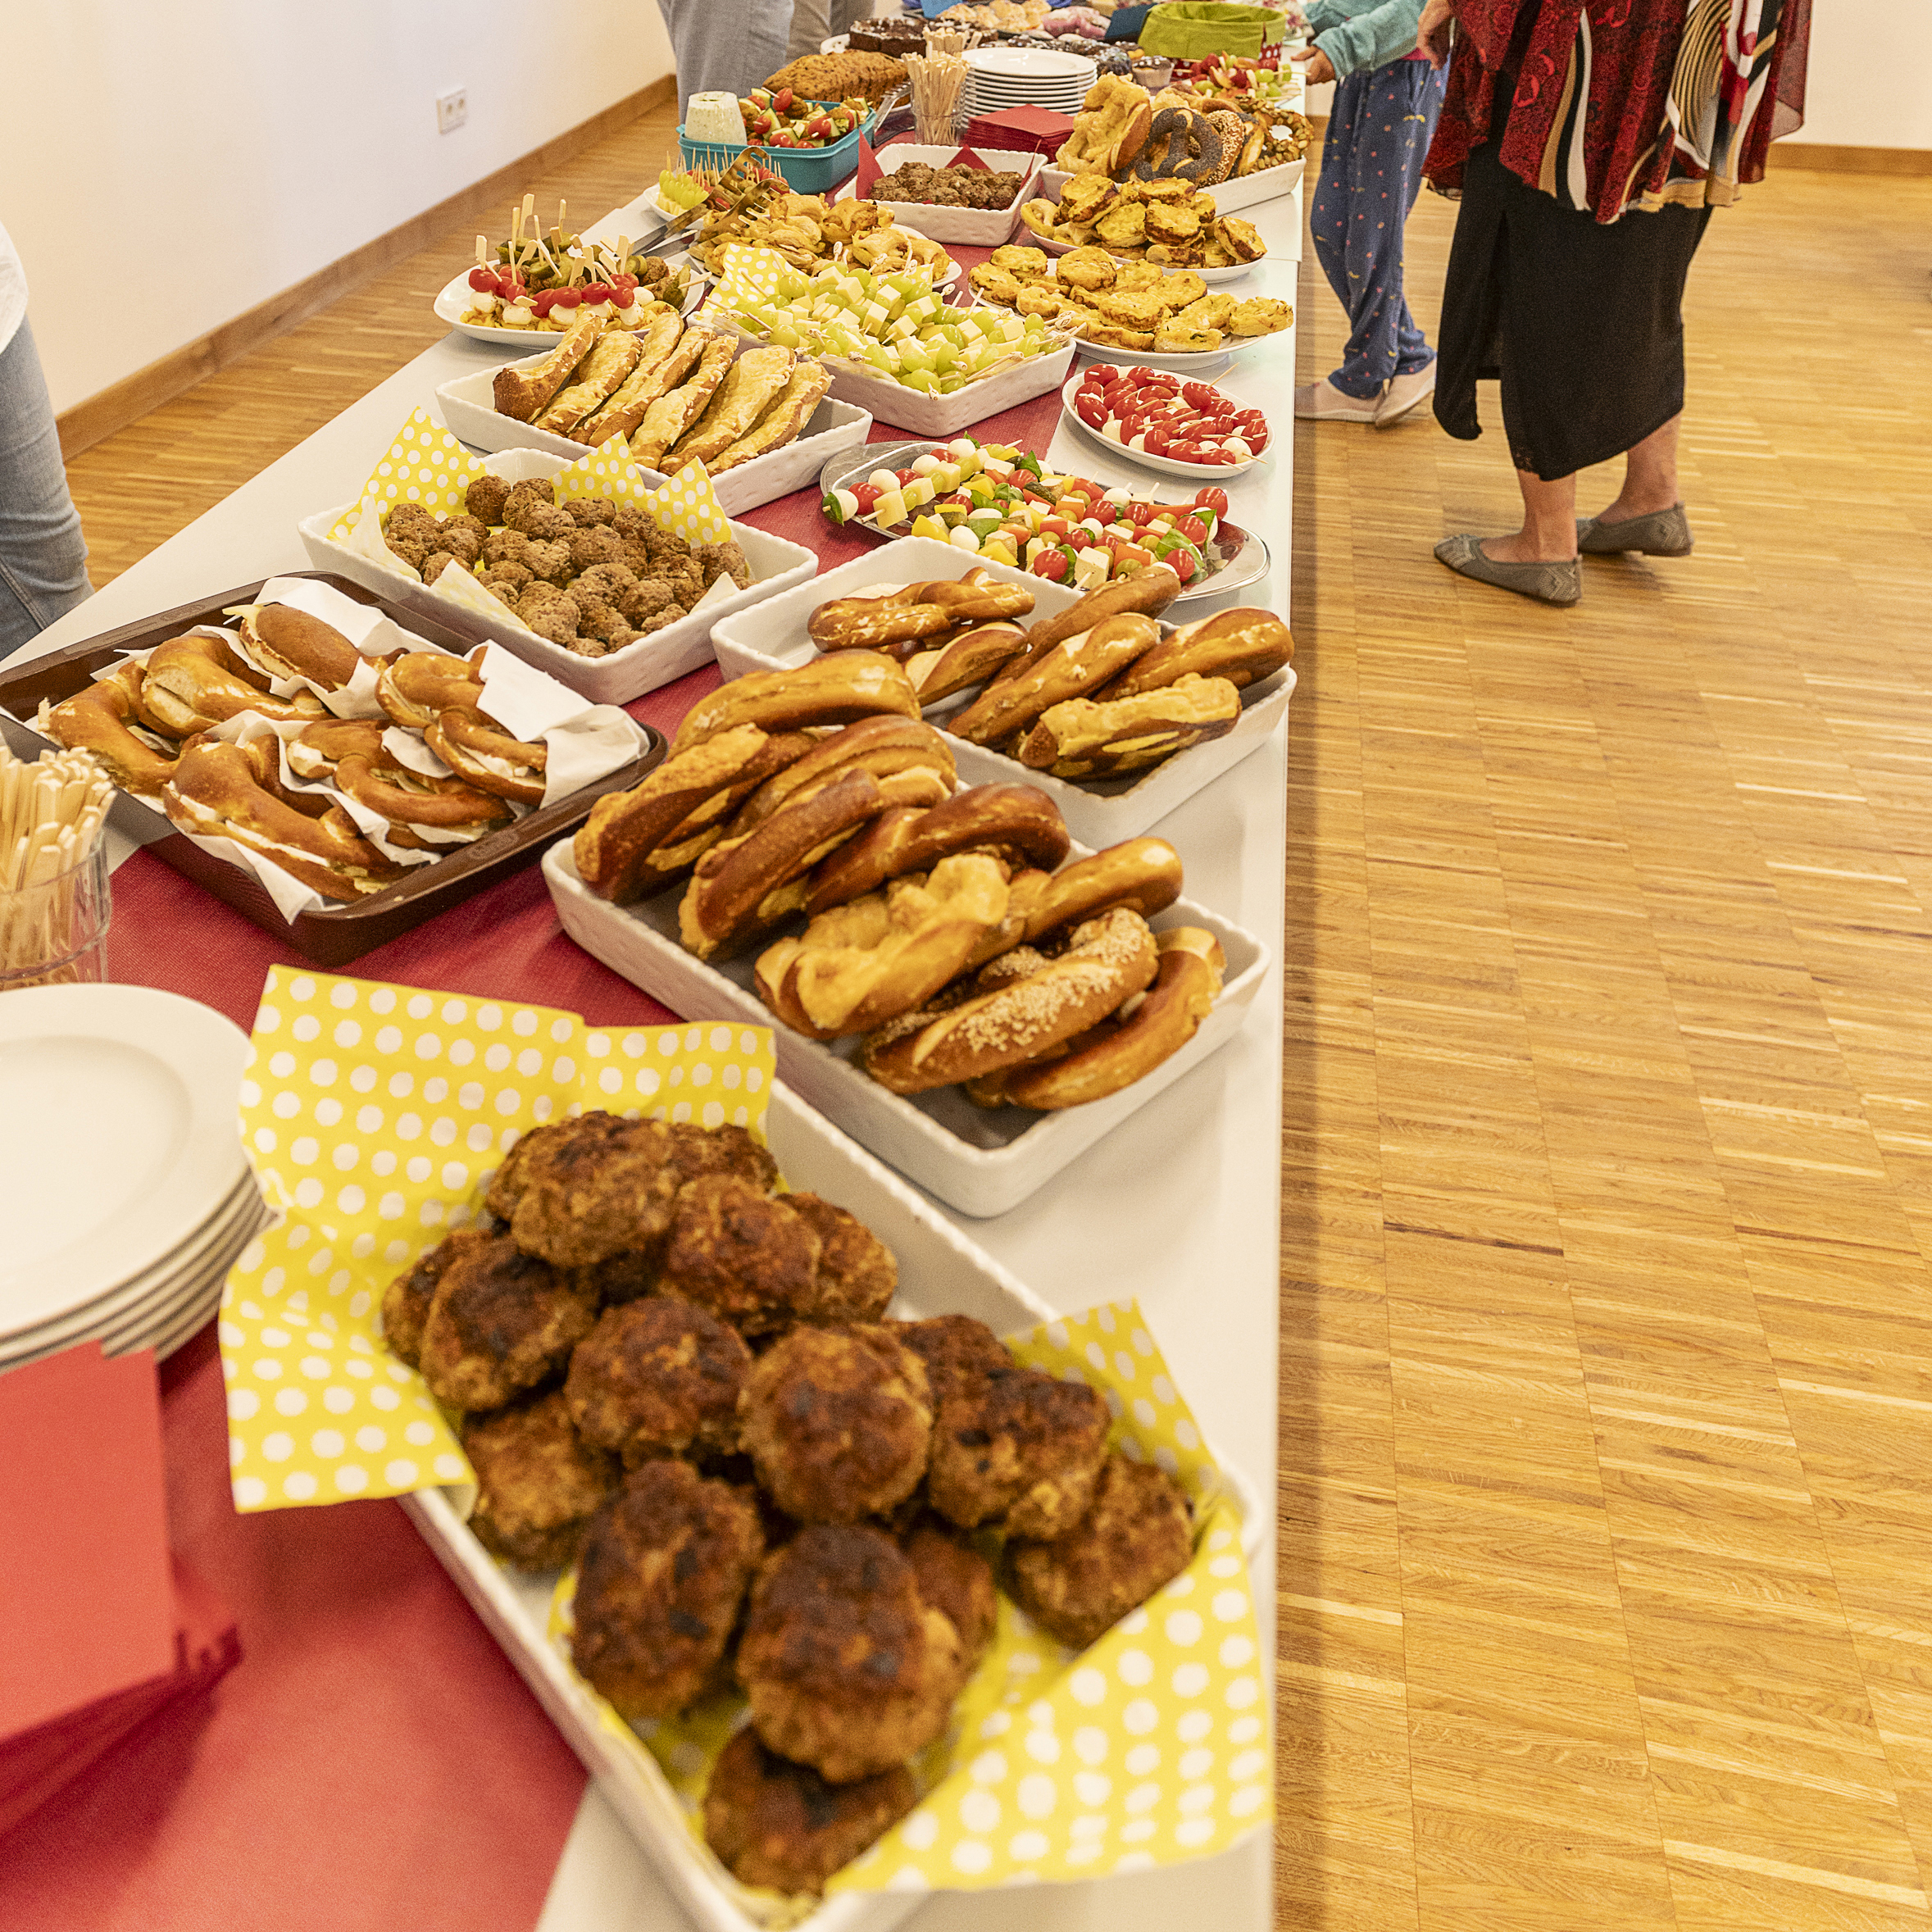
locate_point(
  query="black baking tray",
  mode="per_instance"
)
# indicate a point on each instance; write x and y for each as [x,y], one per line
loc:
[332,937]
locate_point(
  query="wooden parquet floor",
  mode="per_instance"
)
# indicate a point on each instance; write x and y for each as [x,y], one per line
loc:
[1605,1580]
[1607,1363]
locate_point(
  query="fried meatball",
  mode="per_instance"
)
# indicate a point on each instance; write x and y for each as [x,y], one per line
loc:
[594,546]
[847,1668]
[698,1151]
[780,1824]
[500,1321]
[406,1301]
[584,1190]
[462,538]
[857,1273]
[739,1252]
[955,1578]
[485,498]
[659,1378]
[621,1278]
[538,1481]
[722,560]
[1019,1449]
[839,1421]
[661,1576]
[957,1351]
[532,508]
[1133,1539]
[588,511]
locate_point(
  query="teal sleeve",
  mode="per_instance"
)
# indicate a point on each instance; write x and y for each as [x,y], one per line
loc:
[1370,38]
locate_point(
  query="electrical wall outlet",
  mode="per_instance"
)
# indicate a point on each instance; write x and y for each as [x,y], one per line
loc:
[452,110]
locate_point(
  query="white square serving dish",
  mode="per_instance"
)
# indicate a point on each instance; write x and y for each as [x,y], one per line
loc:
[1230,197]
[979,1161]
[470,412]
[940,1272]
[1100,812]
[974,227]
[776,565]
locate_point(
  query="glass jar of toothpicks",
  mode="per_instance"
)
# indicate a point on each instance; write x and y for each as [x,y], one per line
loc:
[937,78]
[55,903]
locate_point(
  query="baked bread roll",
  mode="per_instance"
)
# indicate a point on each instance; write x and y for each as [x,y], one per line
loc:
[522,392]
[782,423]
[655,375]
[668,418]
[750,387]
[596,378]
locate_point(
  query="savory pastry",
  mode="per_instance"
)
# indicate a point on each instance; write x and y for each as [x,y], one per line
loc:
[523,392]
[1134,1539]
[659,1376]
[838,689]
[661,1576]
[538,1481]
[655,375]
[99,719]
[1084,737]
[858,1275]
[743,1254]
[196,681]
[592,382]
[1111,129]
[847,1668]
[750,386]
[673,413]
[838,1421]
[500,1321]
[1020,1449]
[783,422]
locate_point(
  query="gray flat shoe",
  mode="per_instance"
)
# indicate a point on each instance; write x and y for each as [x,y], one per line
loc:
[1547,583]
[1663,532]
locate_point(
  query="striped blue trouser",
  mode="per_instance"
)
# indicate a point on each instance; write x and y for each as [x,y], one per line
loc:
[1379,131]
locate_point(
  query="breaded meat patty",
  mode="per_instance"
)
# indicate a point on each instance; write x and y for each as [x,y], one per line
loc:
[955,1578]
[578,1191]
[742,1253]
[1019,1450]
[659,1377]
[500,1321]
[406,1301]
[538,1481]
[856,1273]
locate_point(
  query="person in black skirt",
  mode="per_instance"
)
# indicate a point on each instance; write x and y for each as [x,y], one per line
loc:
[1588,141]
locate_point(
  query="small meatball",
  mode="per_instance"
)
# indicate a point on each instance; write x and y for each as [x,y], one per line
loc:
[958,1352]
[661,1576]
[742,1254]
[607,580]
[500,1321]
[659,1378]
[857,1273]
[551,562]
[777,1824]
[638,560]
[501,547]
[525,499]
[662,544]
[588,512]
[504,589]
[839,1421]
[549,613]
[722,560]
[1133,1539]
[955,1578]
[463,538]
[538,1481]
[406,1301]
[579,1192]
[413,519]
[412,549]
[630,523]
[549,523]
[595,546]
[1023,1452]
[645,599]
[698,1151]
[847,1669]
[484,499]
[435,563]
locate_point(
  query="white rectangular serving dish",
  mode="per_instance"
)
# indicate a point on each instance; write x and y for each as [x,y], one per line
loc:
[979,1162]
[776,565]
[940,1272]
[1230,197]
[1099,813]
[974,228]
[471,413]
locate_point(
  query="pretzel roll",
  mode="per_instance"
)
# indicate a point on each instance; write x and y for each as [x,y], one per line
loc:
[100,719]
[1071,668]
[476,749]
[229,791]
[317,749]
[835,690]
[977,597]
[739,888]
[862,964]
[1023,894]
[1242,646]
[969,659]
[1107,961]
[196,681]
[1147,594]
[882,745]
[1083,739]
[1117,1052]
[418,687]
[1017,824]
[616,849]
[289,643]
[411,798]
[874,622]
[710,820]
[1143,874]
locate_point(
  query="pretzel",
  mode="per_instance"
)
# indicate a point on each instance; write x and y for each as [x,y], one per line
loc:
[876,622]
[478,750]
[1149,593]
[195,681]
[1016,824]
[99,719]
[1107,961]
[418,686]
[409,799]
[316,750]
[1117,1052]
[834,690]
[230,791]
[867,961]
[289,643]
[741,887]
[1243,646]
[1142,874]
[1086,739]
[1070,668]
[883,746]
[962,661]
[1024,893]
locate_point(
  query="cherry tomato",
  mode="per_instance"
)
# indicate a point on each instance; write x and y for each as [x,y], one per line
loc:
[782,100]
[1140,374]
[595,292]
[1052,564]
[541,305]
[1194,530]
[1160,440]
[1181,562]
[1209,497]
[1091,412]
[1200,394]
[483,280]
[1226,457]
[868,494]
[1104,512]
[1142,514]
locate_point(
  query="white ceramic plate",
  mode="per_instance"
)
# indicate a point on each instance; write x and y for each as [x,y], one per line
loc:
[1230,197]
[455,299]
[1214,278]
[118,1137]
[1194,472]
[1028,64]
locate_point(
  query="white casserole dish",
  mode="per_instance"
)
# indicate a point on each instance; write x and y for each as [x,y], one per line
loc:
[940,1271]
[975,227]
[471,413]
[1230,197]
[980,1162]
[1098,813]
[775,563]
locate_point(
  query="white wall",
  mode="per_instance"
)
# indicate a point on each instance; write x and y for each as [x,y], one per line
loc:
[191,158]
[1868,85]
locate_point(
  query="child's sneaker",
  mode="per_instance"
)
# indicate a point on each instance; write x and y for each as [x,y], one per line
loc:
[1322,401]
[1405,393]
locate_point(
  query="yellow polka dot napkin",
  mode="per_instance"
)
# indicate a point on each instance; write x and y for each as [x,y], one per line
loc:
[374,1116]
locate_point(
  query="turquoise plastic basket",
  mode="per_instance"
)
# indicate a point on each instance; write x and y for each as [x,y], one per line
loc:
[807,170]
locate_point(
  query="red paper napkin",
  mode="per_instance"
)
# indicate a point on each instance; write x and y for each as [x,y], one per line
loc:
[966,158]
[868,170]
[1033,130]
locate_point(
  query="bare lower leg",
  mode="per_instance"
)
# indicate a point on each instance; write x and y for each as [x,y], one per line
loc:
[1650,476]
[1548,534]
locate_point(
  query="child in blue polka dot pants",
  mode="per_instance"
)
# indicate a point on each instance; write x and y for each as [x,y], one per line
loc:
[1387,97]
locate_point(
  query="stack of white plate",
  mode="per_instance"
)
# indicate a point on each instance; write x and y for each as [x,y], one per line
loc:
[125,1194]
[1002,77]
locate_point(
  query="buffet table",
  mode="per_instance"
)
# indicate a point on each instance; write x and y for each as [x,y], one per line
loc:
[1179,1207]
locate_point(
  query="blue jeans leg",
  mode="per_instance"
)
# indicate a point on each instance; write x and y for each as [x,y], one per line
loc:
[43,555]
